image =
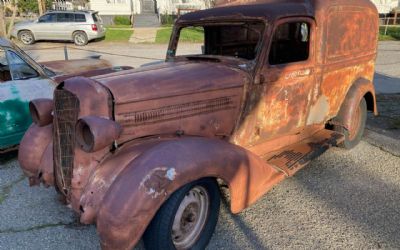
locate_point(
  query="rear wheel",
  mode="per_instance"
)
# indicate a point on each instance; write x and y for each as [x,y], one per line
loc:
[187,219]
[356,129]
[26,37]
[80,38]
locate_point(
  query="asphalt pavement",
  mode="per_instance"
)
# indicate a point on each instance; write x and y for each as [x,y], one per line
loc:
[343,199]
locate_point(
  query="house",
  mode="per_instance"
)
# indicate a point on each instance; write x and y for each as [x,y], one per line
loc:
[109,8]
[386,6]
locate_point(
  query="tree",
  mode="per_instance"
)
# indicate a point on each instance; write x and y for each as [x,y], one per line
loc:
[32,5]
[2,21]
[14,14]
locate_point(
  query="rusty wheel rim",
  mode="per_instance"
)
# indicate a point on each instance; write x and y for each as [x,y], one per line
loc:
[190,218]
[355,124]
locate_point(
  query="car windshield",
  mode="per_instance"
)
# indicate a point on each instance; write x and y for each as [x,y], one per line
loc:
[238,40]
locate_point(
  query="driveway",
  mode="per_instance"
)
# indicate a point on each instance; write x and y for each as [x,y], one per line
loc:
[344,199]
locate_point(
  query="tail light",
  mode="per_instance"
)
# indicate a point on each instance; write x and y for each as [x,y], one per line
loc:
[94,27]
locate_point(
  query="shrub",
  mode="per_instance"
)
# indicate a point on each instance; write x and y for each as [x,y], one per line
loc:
[167,19]
[122,20]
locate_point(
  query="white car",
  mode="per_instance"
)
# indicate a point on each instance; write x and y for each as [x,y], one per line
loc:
[77,26]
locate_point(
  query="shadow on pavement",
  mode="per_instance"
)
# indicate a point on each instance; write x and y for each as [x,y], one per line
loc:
[6,157]
[385,84]
[370,202]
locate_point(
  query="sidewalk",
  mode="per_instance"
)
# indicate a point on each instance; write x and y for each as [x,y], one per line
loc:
[144,35]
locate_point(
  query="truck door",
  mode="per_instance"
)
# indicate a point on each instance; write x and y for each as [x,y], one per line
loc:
[19,84]
[288,78]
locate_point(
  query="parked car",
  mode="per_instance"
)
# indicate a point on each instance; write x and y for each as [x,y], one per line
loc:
[77,26]
[22,80]
[141,153]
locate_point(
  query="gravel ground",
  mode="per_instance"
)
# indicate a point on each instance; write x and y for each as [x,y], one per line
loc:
[344,199]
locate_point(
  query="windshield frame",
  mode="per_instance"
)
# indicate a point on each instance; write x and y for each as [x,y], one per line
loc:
[174,40]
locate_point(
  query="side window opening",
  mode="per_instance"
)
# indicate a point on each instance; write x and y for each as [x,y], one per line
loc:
[65,17]
[80,18]
[20,70]
[48,18]
[291,43]
[5,74]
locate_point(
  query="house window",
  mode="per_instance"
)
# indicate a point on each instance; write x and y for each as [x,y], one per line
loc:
[291,43]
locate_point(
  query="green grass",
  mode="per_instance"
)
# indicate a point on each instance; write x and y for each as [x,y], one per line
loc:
[118,35]
[393,33]
[189,35]
[119,26]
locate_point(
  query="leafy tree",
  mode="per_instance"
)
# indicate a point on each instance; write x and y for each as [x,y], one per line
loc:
[31,5]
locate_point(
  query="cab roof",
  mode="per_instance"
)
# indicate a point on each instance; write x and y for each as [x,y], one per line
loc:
[5,42]
[268,9]
[262,11]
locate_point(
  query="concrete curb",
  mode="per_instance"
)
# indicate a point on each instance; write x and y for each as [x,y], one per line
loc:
[385,143]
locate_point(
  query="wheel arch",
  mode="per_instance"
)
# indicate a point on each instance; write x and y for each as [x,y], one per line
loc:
[75,31]
[157,173]
[361,88]
[25,29]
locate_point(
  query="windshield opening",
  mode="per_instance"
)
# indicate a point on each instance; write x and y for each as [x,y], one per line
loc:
[239,40]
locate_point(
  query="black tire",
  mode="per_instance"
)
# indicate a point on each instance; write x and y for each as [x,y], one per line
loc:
[80,38]
[158,234]
[26,37]
[352,141]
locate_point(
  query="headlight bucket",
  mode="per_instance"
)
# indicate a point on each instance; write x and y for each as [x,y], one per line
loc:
[94,133]
[41,111]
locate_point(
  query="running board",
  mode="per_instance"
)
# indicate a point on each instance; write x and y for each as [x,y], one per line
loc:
[292,158]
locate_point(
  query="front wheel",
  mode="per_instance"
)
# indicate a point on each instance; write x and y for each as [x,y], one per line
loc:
[187,219]
[357,126]
[26,37]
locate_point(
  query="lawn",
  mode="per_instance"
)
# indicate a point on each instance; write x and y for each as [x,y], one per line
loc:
[393,33]
[190,35]
[118,35]
[119,26]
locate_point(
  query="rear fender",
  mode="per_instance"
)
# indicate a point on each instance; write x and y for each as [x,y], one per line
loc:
[144,184]
[360,89]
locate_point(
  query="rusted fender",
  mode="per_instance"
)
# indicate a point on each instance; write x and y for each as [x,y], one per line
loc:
[145,183]
[32,148]
[361,88]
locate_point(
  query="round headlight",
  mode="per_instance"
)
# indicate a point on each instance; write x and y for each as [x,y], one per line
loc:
[94,133]
[41,111]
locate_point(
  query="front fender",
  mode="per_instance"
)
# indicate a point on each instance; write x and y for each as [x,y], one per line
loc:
[144,184]
[32,148]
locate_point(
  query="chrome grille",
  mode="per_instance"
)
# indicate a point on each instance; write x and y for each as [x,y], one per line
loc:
[65,117]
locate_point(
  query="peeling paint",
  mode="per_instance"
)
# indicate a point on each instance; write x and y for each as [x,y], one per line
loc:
[156,182]
[319,111]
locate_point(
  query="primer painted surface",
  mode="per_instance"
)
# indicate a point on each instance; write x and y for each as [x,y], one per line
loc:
[14,107]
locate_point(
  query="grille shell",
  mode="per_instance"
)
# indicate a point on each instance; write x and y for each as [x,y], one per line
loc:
[66,111]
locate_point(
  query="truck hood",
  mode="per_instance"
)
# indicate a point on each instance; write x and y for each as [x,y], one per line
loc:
[67,67]
[171,79]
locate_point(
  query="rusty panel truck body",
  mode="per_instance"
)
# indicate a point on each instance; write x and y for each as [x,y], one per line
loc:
[273,86]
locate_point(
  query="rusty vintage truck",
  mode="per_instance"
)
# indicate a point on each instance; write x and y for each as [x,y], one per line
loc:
[141,152]
[22,79]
